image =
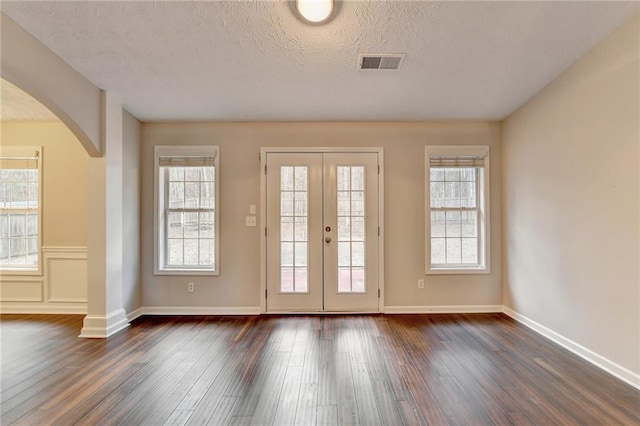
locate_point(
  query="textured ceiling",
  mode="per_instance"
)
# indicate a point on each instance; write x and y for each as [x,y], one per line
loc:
[16,105]
[253,60]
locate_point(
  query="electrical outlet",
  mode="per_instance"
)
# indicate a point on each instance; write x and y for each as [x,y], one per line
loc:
[420,283]
[191,287]
[250,221]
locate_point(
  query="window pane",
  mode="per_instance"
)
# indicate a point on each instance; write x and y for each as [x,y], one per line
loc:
[344,254]
[5,195]
[190,226]
[344,280]
[286,228]
[192,194]
[176,195]
[192,174]
[469,228]
[301,254]
[344,228]
[438,224]
[286,280]
[357,178]
[470,250]
[453,225]
[191,255]
[174,229]
[468,194]
[4,250]
[18,248]
[175,251]
[437,174]
[357,254]
[32,224]
[33,196]
[437,194]
[357,280]
[300,203]
[206,195]
[344,203]
[438,251]
[301,229]
[206,225]
[343,178]
[286,178]
[206,252]
[452,194]
[453,251]
[176,174]
[300,174]
[17,225]
[301,284]
[286,203]
[286,254]
[451,174]
[357,203]
[357,229]
[4,225]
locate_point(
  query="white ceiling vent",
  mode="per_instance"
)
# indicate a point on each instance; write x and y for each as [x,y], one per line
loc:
[384,61]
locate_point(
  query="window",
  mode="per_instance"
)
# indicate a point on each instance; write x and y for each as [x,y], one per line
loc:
[457,209]
[186,220]
[20,200]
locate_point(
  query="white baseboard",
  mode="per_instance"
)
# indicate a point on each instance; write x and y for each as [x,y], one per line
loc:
[43,309]
[103,326]
[607,365]
[137,313]
[452,309]
[190,310]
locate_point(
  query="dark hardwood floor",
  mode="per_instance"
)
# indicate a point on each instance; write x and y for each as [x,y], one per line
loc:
[300,370]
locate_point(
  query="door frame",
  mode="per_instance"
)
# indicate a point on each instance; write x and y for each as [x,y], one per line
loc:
[263,213]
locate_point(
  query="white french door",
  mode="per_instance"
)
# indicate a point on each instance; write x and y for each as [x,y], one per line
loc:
[322,219]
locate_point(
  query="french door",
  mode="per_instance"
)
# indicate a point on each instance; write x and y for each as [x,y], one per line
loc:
[322,232]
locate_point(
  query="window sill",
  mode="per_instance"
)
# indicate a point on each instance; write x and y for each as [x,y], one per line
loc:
[458,271]
[20,272]
[186,272]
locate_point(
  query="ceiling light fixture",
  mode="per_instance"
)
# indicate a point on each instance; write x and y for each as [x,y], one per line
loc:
[315,11]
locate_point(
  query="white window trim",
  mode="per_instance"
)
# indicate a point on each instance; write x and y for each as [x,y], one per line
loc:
[485,225]
[27,151]
[158,232]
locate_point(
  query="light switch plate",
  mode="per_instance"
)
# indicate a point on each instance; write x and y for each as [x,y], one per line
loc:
[252,209]
[250,221]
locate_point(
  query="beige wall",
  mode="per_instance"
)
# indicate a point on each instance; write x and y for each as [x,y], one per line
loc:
[571,202]
[62,285]
[239,282]
[64,171]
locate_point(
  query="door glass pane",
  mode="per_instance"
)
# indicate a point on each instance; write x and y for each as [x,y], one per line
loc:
[293,229]
[351,229]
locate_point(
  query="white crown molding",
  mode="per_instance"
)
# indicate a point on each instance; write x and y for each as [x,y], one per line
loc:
[598,360]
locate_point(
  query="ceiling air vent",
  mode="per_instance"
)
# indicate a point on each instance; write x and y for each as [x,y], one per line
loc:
[386,61]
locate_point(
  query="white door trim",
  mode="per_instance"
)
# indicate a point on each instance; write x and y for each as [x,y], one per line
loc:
[263,211]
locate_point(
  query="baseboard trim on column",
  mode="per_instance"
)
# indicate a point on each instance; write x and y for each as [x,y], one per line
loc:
[101,327]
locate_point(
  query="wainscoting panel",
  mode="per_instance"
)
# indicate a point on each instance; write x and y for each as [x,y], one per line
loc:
[62,287]
[66,274]
[21,289]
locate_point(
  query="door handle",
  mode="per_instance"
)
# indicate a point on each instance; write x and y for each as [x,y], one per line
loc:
[327,240]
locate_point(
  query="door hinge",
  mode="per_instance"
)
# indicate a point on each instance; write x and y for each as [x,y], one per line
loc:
[265,293]
[265,231]
[378,168]
[265,169]
[378,293]
[378,231]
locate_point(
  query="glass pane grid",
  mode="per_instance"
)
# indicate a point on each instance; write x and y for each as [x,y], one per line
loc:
[191,234]
[19,202]
[293,229]
[351,229]
[454,216]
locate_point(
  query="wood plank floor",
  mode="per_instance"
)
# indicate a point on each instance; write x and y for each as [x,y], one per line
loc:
[301,370]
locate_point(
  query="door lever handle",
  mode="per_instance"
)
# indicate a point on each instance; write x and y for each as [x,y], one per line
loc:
[327,240]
